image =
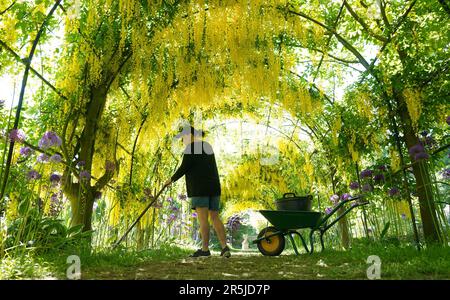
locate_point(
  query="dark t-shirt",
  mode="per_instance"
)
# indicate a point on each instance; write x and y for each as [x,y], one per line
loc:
[199,166]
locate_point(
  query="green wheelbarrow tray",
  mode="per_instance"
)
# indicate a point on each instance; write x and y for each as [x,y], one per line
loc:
[286,223]
[288,219]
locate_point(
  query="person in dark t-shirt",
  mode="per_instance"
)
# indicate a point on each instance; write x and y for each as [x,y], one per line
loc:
[203,186]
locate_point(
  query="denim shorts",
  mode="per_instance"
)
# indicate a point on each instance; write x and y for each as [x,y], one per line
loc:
[211,202]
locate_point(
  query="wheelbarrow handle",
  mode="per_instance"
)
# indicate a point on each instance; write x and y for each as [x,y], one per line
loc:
[286,194]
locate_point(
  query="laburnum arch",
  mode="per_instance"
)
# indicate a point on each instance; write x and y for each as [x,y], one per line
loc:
[130,69]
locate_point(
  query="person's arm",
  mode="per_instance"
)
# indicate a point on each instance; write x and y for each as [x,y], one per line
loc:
[184,167]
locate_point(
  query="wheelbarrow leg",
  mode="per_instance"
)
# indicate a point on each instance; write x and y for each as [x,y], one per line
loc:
[321,240]
[303,242]
[293,243]
[311,240]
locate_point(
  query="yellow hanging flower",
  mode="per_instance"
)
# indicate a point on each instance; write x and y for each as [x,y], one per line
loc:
[413,101]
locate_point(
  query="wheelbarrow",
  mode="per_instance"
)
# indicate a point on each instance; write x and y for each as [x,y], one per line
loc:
[271,240]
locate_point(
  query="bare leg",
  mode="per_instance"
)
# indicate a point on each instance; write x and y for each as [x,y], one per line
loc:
[218,227]
[202,215]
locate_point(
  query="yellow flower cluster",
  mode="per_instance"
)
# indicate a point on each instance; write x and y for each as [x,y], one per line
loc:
[413,101]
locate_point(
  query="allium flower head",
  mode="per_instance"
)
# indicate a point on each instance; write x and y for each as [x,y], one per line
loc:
[55,158]
[25,151]
[42,158]
[194,215]
[33,175]
[393,191]
[366,173]
[354,185]
[172,218]
[49,139]
[345,196]
[328,210]
[378,178]
[17,135]
[55,178]
[448,120]
[334,198]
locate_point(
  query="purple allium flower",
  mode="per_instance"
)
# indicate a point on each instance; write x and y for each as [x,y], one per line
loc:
[33,174]
[17,135]
[54,198]
[446,174]
[345,196]
[421,155]
[169,199]
[49,139]
[328,210]
[55,178]
[378,178]
[182,196]
[448,120]
[25,151]
[42,158]
[403,216]
[354,185]
[417,148]
[85,175]
[393,191]
[367,188]
[194,215]
[55,158]
[110,166]
[172,218]
[81,163]
[334,198]
[366,173]
[97,195]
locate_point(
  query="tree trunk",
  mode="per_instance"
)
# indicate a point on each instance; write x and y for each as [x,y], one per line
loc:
[431,228]
[345,234]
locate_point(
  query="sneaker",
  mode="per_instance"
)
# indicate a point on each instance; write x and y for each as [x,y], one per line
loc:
[225,252]
[200,253]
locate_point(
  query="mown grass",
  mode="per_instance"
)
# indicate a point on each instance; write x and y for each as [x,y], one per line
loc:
[397,262]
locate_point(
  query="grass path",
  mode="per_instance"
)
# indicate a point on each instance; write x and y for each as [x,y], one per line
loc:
[329,265]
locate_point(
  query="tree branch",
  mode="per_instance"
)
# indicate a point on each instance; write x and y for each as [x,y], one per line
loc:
[382,6]
[343,41]
[363,24]
[19,59]
[8,8]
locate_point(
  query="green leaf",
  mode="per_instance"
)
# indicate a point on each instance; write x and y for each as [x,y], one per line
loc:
[75,229]
[385,229]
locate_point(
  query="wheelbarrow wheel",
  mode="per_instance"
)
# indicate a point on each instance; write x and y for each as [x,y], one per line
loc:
[272,246]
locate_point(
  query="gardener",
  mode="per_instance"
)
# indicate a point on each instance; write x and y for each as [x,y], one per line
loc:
[202,185]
